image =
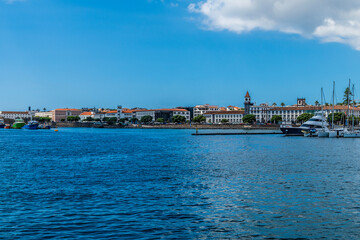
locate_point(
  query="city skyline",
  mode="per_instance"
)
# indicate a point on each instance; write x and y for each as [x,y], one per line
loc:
[157,54]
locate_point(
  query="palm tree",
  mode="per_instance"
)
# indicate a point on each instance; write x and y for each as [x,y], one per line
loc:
[44,109]
[274,104]
[316,103]
[282,104]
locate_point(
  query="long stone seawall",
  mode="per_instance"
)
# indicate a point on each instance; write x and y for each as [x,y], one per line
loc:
[169,126]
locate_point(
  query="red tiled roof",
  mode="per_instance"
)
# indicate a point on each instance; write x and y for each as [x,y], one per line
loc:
[11,112]
[67,109]
[86,114]
[163,109]
[224,112]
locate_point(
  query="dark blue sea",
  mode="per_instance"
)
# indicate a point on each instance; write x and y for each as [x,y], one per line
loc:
[151,184]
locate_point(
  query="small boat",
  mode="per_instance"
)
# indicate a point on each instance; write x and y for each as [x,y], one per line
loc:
[7,126]
[18,124]
[2,124]
[32,125]
[310,132]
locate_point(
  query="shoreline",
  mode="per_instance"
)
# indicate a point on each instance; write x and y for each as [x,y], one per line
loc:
[168,126]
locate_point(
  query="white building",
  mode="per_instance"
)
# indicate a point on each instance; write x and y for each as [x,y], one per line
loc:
[83,116]
[260,112]
[234,117]
[14,114]
[44,114]
[202,109]
[167,114]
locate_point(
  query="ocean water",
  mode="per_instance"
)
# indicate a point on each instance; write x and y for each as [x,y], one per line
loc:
[150,184]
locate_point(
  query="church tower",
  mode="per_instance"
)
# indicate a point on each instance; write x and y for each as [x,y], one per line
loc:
[247,103]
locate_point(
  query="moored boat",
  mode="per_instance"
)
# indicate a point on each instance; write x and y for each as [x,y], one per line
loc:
[317,122]
[32,125]
[2,123]
[18,124]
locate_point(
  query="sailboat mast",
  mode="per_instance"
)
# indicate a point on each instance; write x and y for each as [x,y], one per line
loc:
[333,106]
[348,102]
[353,93]
[322,110]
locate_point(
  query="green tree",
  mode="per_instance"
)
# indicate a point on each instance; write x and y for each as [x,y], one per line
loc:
[276,119]
[160,120]
[43,119]
[304,117]
[146,119]
[250,118]
[223,121]
[199,119]
[89,119]
[282,104]
[178,119]
[316,103]
[134,120]
[73,118]
[339,117]
[123,120]
[347,96]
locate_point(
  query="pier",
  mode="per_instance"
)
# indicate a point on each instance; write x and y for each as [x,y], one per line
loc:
[240,133]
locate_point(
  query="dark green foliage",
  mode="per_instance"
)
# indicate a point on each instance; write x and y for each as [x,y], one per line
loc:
[250,118]
[146,119]
[304,117]
[178,119]
[276,119]
[199,119]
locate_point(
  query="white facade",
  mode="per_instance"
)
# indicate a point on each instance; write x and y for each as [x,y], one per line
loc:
[234,117]
[260,112]
[44,114]
[202,109]
[86,115]
[14,115]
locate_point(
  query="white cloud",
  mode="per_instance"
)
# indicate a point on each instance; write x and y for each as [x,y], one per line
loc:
[327,20]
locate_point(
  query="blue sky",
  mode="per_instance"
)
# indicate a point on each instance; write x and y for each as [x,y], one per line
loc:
[85,53]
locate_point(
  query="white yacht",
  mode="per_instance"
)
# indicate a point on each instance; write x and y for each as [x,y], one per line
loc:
[317,122]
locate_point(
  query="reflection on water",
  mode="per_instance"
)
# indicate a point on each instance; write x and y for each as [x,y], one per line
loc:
[130,184]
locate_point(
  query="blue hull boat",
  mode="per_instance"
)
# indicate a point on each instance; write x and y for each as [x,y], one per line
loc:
[31,125]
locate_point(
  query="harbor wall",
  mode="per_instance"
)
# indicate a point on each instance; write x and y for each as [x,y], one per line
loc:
[169,126]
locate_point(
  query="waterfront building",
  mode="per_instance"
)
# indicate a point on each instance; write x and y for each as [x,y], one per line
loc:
[83,116]
[120,113]
[233,117]
[202,109]
[261,112]
[165,114]
[63,113]
[14,114]
[190,109]
[43,114]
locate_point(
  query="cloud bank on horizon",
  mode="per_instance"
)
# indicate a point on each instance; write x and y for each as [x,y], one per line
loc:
[327,20]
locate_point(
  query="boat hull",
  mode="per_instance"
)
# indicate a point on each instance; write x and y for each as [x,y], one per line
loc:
[333,134]
[323,134]
[31,126]
[18,125]
[292,131]
[2,125]
[351,135]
